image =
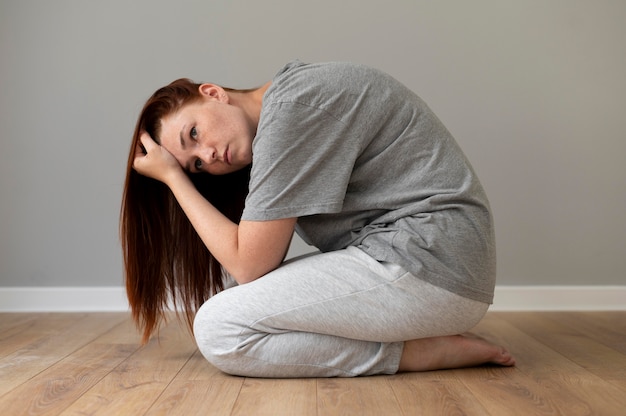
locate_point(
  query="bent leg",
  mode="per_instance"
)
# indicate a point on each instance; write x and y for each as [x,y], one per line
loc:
[333,314]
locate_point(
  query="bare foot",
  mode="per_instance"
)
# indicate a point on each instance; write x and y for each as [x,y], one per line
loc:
[454,351]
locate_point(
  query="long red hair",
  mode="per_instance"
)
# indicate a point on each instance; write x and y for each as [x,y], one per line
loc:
[165,262]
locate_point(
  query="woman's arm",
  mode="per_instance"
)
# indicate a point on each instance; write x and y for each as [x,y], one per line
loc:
[248,250]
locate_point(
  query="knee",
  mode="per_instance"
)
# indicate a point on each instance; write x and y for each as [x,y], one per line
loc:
[216,332]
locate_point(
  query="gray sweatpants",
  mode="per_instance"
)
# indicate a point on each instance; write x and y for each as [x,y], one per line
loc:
[333,314]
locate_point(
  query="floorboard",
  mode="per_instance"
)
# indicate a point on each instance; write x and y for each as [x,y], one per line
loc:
[561,386]
[46,342]
[568,363]
[357,396]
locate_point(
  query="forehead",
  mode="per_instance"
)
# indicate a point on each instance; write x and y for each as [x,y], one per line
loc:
[174,124]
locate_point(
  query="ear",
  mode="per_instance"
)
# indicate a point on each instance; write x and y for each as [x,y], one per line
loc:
[213,92]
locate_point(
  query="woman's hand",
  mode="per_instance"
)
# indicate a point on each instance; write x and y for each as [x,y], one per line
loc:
[154,161]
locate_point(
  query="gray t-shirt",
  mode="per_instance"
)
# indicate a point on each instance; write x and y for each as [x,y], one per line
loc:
[361,160]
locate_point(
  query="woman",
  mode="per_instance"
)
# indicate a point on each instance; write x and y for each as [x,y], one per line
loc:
[362,169]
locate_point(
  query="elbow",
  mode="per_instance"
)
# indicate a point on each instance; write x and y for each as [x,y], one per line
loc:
[243,278]
[243,274]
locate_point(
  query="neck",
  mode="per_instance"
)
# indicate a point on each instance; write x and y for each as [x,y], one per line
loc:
[250,101]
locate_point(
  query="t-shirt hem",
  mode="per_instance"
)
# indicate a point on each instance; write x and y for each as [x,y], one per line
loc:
[451,285]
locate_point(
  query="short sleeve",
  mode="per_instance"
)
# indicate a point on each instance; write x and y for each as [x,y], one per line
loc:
[303,157]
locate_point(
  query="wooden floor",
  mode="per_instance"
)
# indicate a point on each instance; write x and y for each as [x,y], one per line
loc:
[569,363]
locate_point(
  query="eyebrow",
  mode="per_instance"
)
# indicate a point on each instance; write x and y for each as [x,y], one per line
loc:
[182,139]
[183,145]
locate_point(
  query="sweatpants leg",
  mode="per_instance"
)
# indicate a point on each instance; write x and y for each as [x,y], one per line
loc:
[333,314]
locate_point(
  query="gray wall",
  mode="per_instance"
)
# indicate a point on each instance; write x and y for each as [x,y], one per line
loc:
[534,91]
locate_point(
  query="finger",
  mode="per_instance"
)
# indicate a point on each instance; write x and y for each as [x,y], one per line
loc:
[140,149]
[147,142]
[138,160]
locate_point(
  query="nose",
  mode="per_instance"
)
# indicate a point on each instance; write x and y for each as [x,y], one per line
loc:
[209,155]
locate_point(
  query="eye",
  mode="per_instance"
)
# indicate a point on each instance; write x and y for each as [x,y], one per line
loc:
[193,133]
[198,164]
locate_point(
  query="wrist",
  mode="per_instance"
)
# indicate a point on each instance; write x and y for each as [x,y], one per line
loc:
[174,177]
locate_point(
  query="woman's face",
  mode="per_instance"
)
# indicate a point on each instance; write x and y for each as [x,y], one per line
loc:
[210,135]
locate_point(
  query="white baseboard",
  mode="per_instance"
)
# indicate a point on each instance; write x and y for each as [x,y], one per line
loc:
[507,298]
[63,299]
[559,298]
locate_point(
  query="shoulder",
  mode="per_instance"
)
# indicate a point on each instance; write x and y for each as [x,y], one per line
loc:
[299,80]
